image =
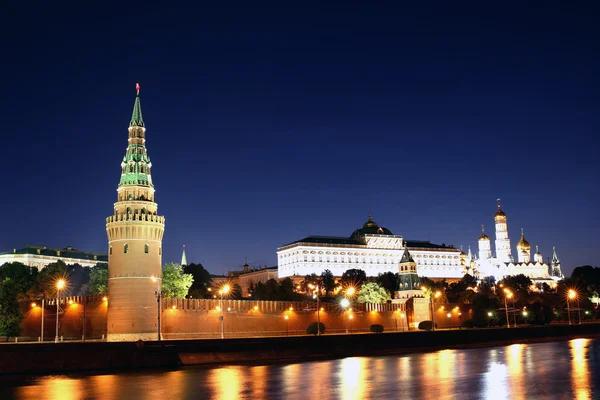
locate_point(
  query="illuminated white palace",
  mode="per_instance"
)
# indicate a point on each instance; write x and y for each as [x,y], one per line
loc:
[373,249]
[504,263]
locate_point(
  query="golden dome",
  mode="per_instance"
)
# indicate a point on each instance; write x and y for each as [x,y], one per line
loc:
[499,213]
[484,236]
[370,223]
[523,244]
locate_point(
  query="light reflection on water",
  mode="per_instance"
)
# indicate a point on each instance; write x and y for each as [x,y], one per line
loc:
[569,370]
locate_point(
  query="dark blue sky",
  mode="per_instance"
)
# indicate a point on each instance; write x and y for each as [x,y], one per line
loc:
[267,123]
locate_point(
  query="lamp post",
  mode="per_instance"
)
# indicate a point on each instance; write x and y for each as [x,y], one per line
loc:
[285,317]
[158,294]
[571,295]
[316,297]
[507,295]
[432,303]
[224,290]
[345,303]
[59,285]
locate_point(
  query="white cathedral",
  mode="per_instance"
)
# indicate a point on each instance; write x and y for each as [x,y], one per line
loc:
[504,263]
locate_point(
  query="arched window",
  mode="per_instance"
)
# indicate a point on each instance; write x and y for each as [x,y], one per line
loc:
[146,248]
[110,250]
[126,248]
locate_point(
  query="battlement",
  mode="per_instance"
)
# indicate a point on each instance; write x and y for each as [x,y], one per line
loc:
[135,217]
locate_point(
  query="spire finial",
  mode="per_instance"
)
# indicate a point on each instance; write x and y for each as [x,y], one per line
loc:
[537,249]
[482,230]
[498,200]
[522,232]
[137,88]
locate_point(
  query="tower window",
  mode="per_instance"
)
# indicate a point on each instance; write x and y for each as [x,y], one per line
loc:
[110,250]
[160,251]
[146,248]
[126,248]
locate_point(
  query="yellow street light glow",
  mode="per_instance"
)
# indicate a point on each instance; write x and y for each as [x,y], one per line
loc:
[351,316]
[60,284]
[525,313]
[71,302]
[228,308]
[218,308]
[173,307]
[255,308]
[509,295]
[225,289]
[345,303]
[350,291]
[105,298]
[291,308]
[402,315]
[210,289]
[438,294]
[311,286]
[572,294]
[489,313]
[423,288]
[322,308]
[33,305]
[286,317]
[449,315]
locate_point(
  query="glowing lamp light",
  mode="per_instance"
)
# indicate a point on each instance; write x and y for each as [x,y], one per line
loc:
[489,314]
[70,302]
[322,308]
[225,289]
[60,284]
[285,317]
[572,294]
[345,303]
[218,308]
[402,315]
[105,298]
[291,308]
[228,308]
[525,313]
[154,279]
[33,305]
[210,289]
[351,316]
[438,294]
[173,307]
[449,315]
[255,308]
[350,291]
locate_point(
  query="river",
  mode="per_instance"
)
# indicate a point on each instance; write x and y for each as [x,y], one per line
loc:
[561,370]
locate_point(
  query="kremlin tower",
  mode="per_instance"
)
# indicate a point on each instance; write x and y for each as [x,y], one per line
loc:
[485,246]
[503,253]
[135,233]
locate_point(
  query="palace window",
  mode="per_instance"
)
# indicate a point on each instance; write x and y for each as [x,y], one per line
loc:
[110,250]
[146,248]
[126,248]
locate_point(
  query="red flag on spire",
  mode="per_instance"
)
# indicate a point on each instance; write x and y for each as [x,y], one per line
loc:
[137,87]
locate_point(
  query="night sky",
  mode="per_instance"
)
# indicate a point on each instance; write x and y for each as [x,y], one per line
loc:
[266,124]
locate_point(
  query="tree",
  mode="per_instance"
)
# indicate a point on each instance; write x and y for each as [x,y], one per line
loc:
[353,277]
[389,281]
[328,282]
[312,279]
[45,282]
[235,293]
[98,279]
[371,292]
[175,283]
[20,274]
[202,281]
[10,314]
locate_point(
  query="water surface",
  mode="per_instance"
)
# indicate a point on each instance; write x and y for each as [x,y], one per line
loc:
[561,370]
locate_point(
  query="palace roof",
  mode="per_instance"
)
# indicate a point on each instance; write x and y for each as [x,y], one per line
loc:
[67,252]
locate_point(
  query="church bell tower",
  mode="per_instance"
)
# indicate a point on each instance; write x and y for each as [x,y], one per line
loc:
[135,233]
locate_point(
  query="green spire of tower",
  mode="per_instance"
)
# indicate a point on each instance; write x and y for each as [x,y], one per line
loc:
[136,117]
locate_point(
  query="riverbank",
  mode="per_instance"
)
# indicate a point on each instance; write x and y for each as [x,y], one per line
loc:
[44,358]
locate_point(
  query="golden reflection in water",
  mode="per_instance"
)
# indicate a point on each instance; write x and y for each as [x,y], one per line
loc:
[514,362]
[438,371]
[318,376]
[258,381]
[352,377]
[226,382]
[580,374]
[57,388]
[292,379]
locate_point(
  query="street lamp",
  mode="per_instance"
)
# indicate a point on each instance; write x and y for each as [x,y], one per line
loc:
[507,295]
[570,295]
[59,285]
[431,301]
[345,303]
[285,317]
[316,297]
[224,290]
[158,293]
